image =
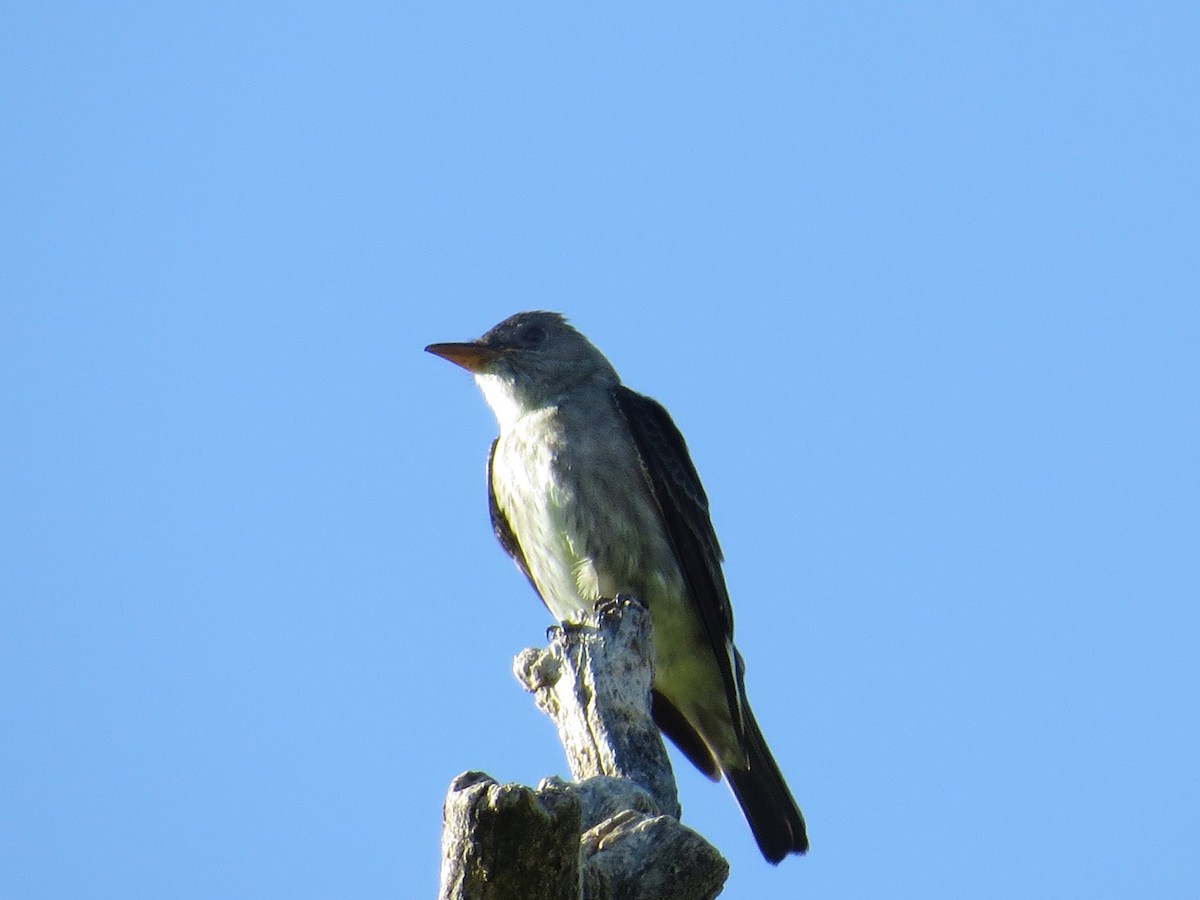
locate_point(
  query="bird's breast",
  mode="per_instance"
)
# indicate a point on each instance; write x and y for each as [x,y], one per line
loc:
[576,499]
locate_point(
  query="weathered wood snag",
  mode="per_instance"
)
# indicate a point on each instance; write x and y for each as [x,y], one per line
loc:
[614,832]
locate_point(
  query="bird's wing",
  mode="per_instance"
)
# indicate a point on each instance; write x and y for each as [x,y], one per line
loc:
[683,507]
[504,532]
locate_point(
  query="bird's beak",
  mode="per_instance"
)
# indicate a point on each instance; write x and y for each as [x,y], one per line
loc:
[472,355]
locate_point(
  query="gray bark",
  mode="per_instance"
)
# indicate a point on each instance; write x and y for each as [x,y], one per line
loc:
[504,841]
[614,833]
[593,681]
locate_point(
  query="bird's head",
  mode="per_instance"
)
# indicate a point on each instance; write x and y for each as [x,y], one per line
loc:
[528,361]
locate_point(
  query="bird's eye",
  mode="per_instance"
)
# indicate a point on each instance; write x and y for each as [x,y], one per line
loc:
[532,335]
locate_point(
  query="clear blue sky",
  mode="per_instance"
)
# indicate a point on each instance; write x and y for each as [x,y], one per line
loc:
[918,282]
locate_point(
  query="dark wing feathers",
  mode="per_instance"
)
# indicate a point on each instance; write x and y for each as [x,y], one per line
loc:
[683,506]
[762,793]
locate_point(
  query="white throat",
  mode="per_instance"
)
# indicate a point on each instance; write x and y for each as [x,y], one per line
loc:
[499,394]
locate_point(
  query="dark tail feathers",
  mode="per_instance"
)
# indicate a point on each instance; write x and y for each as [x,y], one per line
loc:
[765,800]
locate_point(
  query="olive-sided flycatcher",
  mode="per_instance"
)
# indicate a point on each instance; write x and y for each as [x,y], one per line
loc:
[593,494]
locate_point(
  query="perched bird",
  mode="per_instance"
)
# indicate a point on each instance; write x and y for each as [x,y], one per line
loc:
[593,494]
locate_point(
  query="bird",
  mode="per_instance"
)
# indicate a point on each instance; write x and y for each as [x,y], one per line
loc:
[593,494]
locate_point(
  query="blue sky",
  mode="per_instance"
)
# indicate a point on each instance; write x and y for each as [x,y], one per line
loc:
[918,282]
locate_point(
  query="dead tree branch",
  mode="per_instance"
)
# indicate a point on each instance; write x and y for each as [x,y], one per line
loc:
[615,831]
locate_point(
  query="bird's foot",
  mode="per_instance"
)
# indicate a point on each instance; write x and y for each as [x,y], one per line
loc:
[619,602]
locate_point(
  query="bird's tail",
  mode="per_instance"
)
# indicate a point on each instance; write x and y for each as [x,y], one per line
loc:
[763,795]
